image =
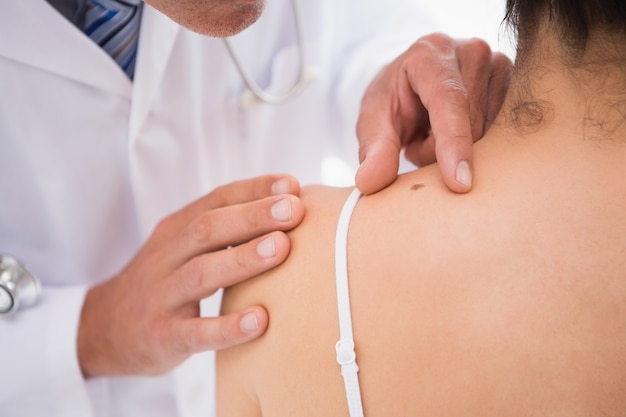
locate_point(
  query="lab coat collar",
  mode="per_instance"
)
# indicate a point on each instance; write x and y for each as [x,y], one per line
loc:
[156,41]
[34,33]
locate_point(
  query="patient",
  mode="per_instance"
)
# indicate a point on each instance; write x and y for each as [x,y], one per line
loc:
[508,301]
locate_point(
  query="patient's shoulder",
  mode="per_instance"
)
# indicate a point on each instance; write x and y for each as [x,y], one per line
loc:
[299,297]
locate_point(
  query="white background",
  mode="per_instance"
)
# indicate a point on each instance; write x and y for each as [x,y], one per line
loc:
[473,18]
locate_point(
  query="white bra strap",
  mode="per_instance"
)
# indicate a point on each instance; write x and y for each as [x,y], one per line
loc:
[346,357]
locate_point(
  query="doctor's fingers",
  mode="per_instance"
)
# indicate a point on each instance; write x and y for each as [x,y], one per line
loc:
[204,275]
[215,333]
[472,81]
[241,192]
[391,113]
[481,88]
[217,229]
[435,74]
[480,78]
[485,76]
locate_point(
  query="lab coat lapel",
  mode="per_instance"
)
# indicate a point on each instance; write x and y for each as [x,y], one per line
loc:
[34,33]
[156,40]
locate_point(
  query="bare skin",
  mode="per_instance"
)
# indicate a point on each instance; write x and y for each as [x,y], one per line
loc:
[507,301]
[217,18]
[525,320]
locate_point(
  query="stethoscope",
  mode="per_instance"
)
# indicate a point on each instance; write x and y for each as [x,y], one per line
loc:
[307,74]
[18,286]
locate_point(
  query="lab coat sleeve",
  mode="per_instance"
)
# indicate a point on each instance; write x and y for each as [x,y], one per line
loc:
[40,374]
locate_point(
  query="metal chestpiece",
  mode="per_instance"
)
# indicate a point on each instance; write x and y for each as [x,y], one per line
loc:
[18,287]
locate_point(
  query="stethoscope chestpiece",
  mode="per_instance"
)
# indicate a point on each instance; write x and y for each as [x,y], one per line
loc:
[18,286]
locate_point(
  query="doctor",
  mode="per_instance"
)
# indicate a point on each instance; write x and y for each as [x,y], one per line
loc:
[106,183]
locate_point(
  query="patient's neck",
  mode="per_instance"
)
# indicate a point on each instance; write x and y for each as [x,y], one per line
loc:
[569,95]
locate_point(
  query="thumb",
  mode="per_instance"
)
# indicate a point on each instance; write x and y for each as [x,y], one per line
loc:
[379,165]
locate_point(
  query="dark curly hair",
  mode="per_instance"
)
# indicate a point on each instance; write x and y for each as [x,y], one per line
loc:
[574,20]
[591,36]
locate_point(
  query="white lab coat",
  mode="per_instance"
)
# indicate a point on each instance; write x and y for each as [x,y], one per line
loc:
[90,162]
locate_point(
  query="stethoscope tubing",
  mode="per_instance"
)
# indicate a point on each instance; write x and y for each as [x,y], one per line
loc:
[304,76]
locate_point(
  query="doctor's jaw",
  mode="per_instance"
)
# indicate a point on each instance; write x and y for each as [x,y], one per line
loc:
[216,18]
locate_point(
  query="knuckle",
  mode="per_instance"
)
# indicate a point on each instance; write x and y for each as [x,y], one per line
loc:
[436,40]
[155,338]
[435,48]
[162,228]
[257,213]
[479,48]
[241,261]
[420,53]
[187,342]
[202,228]
[502,61]
[503,67]
[454,91]
[196,273]
[227,336]
[208,274]
[453,141]
[364,149]
[218,194]
[225,270]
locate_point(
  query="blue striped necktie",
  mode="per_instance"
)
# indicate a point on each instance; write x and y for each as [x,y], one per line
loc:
[114,25]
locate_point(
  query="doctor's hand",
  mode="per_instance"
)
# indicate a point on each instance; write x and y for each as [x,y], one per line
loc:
[146,320]
[433,101]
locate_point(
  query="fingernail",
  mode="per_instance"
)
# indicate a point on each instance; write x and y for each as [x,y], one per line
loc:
[281,210]
[267,248]
[281,186]
[249,323]
[464,173]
